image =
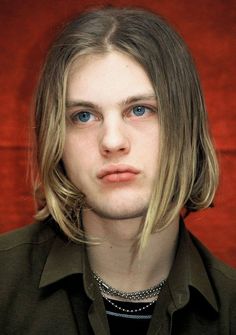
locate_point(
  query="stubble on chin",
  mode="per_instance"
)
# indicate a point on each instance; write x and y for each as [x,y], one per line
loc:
[118,212]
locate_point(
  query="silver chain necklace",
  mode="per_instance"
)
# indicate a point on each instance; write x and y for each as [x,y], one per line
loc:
[130,310]
[130,296]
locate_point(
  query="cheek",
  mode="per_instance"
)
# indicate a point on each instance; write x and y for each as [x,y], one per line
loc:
[78,153]
[152,139]
[151,149]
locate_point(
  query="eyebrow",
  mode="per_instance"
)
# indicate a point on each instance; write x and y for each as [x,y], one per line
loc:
[126,101]
[132,99]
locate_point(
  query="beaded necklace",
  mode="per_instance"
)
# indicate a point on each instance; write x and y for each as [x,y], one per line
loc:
[129,296]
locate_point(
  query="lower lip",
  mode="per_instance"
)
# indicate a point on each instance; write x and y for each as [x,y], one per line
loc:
[119,177]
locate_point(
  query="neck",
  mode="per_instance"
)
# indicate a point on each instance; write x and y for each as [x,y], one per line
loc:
[116,259]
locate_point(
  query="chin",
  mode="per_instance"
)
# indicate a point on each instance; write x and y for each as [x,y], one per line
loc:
[118,213]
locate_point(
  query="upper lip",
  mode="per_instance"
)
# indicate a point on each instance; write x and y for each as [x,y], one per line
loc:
[116,168]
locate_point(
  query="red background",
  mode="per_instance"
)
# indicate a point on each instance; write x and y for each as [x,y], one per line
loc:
[209,28]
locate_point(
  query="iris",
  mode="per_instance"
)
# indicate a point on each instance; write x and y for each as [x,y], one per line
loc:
[84,116]
[139,110]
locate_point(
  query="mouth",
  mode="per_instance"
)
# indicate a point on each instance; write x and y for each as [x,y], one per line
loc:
[118,173]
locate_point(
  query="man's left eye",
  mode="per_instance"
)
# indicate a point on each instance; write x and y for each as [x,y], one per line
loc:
[140,110]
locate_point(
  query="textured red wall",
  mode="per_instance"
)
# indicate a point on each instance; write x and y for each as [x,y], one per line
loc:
[208,26]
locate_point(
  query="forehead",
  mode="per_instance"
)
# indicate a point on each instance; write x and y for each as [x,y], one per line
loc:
[107,78]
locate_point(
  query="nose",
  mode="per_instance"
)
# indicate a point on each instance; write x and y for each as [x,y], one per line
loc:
[114,138]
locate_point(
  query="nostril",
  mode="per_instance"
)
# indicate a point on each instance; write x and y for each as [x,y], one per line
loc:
[111,145]
[114,149]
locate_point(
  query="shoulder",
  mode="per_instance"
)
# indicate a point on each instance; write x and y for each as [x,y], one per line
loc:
[36,233]
[215,266]
[222,277]
[23,252]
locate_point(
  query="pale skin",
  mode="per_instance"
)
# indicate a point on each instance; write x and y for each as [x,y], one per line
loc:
[110,154]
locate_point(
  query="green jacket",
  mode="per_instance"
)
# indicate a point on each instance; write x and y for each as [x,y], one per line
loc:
[46,287]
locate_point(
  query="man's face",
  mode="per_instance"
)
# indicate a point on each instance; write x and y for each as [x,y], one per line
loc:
[112,134]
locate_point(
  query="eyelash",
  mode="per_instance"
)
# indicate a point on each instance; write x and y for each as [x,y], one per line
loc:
[74,117]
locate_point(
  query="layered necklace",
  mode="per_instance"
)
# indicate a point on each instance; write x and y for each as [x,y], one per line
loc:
[137,296]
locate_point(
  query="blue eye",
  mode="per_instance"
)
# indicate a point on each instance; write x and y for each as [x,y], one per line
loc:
[82,117]
[139,110]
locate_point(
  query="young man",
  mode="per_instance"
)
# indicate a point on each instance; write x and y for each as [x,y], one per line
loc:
[122,149]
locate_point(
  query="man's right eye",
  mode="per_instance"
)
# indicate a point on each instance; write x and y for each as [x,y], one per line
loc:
[82,117]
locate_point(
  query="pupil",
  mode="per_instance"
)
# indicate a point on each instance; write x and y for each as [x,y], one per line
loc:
[139,110]
[84,116]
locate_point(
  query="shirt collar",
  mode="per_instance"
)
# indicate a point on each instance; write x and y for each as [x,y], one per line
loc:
[64,259]
[189,271]
[68,258]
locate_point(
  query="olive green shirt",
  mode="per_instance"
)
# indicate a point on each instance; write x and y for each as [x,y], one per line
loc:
[46,287]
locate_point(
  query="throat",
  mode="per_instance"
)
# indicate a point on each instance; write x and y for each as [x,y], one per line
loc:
[120,268]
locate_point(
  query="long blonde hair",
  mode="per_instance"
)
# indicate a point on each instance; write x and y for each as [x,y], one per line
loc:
[187,174]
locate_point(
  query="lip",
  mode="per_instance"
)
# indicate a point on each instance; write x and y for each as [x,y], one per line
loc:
[117,173]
